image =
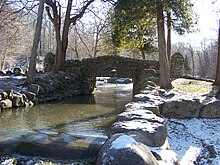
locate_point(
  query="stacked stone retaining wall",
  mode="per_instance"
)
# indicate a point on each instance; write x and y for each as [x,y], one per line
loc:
[47,87]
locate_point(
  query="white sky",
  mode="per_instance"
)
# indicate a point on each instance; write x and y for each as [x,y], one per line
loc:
[207,23]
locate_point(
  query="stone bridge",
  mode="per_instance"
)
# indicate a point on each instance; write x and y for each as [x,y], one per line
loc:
[109,66]
[117,66]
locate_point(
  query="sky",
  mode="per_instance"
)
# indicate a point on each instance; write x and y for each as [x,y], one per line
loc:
[207,23]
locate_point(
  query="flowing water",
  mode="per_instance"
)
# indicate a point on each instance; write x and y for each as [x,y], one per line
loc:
[57,129]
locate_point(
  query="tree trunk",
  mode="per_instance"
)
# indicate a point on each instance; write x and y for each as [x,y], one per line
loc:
[163,59]
[169,36]
[217,77]
[142,53]
[62,40]
[32,66]
[192,57]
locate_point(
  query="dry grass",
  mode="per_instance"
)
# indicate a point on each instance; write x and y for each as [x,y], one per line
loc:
[195,87]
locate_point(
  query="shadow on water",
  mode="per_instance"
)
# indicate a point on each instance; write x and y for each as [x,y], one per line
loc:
[72,129]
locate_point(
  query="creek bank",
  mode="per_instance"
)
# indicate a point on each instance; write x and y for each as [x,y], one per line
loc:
[47,87]
[142,123]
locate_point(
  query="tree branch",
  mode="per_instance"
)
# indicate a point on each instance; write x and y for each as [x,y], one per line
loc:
[81,13]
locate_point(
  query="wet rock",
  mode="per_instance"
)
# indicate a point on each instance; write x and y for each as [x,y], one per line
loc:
[124,150]
[211,110]
[18,101]
[10,94]
[5,104]
[25,98]
[181,108]
[30,95]
[149,133]
[4,95]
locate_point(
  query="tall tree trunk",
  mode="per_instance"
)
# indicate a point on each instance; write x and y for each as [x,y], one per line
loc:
[169,46]
[32,66]
[193,61]
[142,53]
[163,59]
[62,47]
[217,76]
[62,40]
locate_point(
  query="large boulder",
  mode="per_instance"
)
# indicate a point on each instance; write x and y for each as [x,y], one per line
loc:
[152,134]
[181,108]
[147,77]
[124,150]
[211,110]
[143,106]
[140,115]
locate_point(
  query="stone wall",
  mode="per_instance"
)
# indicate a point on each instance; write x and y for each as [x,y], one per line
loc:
[177,65]
[47,87]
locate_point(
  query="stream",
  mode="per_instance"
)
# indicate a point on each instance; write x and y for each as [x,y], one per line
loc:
[72,129]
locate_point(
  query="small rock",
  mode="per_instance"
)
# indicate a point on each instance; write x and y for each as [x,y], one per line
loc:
[17,71]
[5,104]
[4,95]
[8,73]
[10,94]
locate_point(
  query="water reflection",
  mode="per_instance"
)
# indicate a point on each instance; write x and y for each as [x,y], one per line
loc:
[82,115]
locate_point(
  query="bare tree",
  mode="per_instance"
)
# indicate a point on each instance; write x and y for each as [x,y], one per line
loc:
[87,36]
[63,31]
[32,66]
[217,77]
